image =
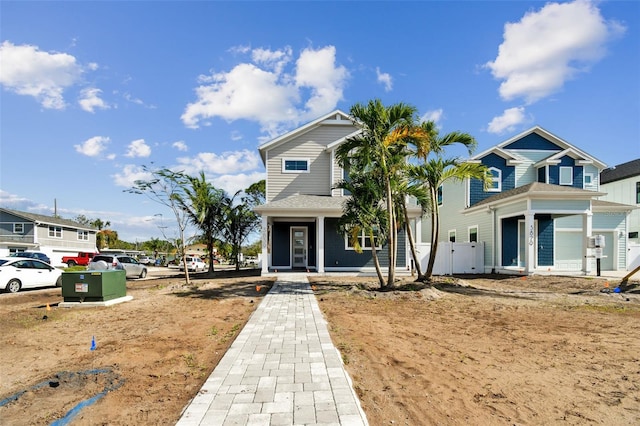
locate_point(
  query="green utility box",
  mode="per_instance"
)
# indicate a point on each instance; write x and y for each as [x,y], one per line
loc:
[93,286]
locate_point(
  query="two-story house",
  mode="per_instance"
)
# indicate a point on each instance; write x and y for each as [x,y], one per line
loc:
[539,211]
[21,231]
[302,208]
[622,185]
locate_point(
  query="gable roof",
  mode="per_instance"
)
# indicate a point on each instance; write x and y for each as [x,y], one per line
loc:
[621,171]
[334,117]
[562,145]
[48,220]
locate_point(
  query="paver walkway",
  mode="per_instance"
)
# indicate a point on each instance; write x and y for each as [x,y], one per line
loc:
[282,369]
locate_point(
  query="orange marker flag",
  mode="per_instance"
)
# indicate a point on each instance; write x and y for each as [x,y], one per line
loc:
[48,307]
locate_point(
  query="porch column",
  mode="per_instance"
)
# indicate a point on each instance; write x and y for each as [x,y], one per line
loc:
[587,230]
[266,255]
[320,244]
[530,246]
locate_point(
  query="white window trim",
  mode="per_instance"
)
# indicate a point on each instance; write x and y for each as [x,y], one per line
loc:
[584,180]
[361,238]
[469,228]
[18,228]
[306,160]
[53,231]
[570,175]
[83,235]
[497,179]
[452,232]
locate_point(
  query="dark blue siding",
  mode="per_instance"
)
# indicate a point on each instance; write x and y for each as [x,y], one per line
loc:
[533,141]
[510,241]
[566,161]
[476,190]
[545,240]
[281,243]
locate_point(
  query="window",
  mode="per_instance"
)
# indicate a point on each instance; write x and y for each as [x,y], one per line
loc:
[439,195]
[295,165]
[18,228]
[589,179]
[55,232]
[566,175]
[347,178]
[637,192]
[495,183]
[473,234]
[83,235]
[452,236]
[363,240]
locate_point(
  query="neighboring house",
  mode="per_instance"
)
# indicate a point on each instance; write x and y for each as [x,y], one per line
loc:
[539,210]
[302,208]
[21,231]
[622,185]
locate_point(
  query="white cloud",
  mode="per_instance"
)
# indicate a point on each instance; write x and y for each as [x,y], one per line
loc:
[90,100]
[129,175]
[548,47]
[238,182]
[180,146]
[262,91]
[26,70]
[434,115]
[138,148]
[385,79]
[227,162]
[509,119]
[94,146]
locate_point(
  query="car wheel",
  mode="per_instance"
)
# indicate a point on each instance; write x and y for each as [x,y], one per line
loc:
[59,281]
[13,286]
[71,264]
[143,273]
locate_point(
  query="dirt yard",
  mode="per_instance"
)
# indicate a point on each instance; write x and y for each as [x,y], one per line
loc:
[505,350]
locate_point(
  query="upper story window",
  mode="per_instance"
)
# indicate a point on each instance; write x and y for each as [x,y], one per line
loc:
[55,231]
[83,235]
[439,195]
[637,192]
[18,228]
[495,185]
[452,236]
[363,240]
[295,165]
[566,175]
[473,234]
[588,179]
[346,177]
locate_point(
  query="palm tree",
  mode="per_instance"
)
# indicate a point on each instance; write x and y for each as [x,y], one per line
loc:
[378,150]
[203,204]
[239,220]
[363,214]
[434,173]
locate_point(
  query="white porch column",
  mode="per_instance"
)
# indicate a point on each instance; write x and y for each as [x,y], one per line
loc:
[587,230]
[266,255]
[530,246]
[320,244]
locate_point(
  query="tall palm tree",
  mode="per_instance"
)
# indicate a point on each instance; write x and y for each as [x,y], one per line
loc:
[378,151]
[203,204]
[434,173]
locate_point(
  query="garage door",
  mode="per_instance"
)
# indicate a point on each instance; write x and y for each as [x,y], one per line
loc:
[569,251]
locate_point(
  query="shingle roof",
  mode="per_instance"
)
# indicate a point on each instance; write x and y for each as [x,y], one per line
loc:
[621,171]
[48,219]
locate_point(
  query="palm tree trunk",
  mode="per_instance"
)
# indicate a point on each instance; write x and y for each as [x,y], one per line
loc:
[392,235]
[376,261]
[435,232]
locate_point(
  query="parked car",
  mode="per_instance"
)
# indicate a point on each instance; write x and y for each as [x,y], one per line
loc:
[82,258]
[146,260]
[32,255]
[19,272]
[194,264]
[131,266]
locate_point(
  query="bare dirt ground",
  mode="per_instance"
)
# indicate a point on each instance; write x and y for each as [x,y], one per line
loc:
[468,350]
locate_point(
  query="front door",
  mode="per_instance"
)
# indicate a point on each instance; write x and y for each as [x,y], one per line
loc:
[299,247]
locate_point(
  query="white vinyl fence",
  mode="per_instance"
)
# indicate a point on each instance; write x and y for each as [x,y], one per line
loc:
[454,258]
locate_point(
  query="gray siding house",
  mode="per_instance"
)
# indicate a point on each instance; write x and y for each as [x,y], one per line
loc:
[21,231]
[302,208]
[544,202]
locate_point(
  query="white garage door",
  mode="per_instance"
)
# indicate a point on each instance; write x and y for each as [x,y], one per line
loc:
[569,251]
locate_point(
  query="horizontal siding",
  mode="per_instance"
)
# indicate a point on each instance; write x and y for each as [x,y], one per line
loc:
[310,146]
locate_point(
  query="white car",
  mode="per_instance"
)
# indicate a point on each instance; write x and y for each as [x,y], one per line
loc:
[194,264]
[17,273]
[146,260]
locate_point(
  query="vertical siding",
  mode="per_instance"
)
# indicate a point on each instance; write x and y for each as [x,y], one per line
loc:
[310,145]
[545,240]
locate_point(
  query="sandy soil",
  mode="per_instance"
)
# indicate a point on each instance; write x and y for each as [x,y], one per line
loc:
[471,350]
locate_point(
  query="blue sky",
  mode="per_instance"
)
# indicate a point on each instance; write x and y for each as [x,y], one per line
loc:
[91,91]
